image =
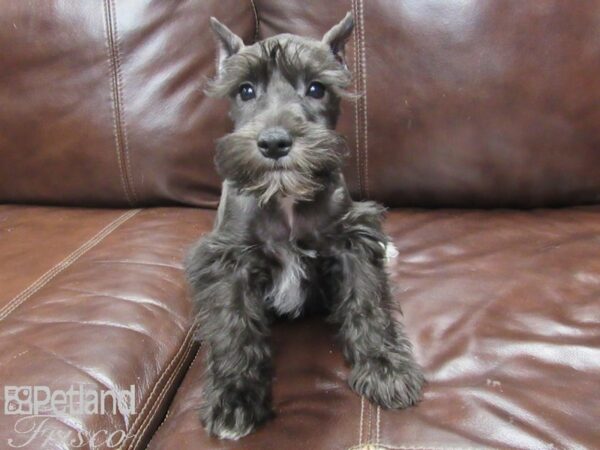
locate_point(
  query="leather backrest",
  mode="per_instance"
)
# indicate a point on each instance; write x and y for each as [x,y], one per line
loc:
[101,102]
[478,103]
[471,103]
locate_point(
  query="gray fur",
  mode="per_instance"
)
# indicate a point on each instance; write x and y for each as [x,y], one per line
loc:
[288,239]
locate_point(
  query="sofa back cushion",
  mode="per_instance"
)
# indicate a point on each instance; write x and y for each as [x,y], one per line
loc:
[101,102]
[471,103]
[476,103]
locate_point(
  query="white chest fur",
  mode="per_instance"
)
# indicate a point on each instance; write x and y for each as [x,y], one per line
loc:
[287,295]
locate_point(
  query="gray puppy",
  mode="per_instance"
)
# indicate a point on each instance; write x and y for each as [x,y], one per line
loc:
[288,239]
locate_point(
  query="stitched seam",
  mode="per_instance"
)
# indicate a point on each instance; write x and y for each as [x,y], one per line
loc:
[256,21]
[378,424]
[369,437]
[117,53]
[408,447]
[169,410]
[65,263]
[121,141]
[360,424]
[357,103]
[177,360]
[159,400]
[161,397]
[113,93]
[365,104]
[187,345]
[167,373]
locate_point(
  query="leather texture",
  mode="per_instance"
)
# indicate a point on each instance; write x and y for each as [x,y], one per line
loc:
[101,103]
[477,104]
[466,104]
[503,310]
[103,304]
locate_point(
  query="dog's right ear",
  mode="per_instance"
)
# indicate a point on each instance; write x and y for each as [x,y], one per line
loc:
[228,42]
[337,36]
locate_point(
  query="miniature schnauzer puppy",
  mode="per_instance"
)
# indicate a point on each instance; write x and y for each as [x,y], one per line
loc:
[288,238]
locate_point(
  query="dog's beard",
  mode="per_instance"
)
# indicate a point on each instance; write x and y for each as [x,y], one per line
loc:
[316,152]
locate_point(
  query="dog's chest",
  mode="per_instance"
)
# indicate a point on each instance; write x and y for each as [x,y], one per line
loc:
[287,294]
[286,205]
[293,235]
[291,276]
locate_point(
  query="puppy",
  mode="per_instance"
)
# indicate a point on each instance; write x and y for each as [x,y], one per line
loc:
[288,238]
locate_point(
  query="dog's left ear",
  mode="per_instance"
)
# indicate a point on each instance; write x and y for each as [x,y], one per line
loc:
[337,37]
[228,42]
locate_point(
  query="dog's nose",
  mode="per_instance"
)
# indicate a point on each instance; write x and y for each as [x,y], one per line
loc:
[274,142]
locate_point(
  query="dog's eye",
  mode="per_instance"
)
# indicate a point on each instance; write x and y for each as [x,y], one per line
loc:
[247,92]
[315,90]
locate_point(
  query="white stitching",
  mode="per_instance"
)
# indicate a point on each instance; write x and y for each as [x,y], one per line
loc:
[365,105]
[357,101]
[378,423]
[369,420]
[65,263]
[169,410]
[123,128]
[419,447]
[168,384]
[166,373]
[113,95]
[408,447]
[362,409]
[159,400]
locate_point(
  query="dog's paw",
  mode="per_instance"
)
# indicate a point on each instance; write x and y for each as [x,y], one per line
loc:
[389,386]
[234,414]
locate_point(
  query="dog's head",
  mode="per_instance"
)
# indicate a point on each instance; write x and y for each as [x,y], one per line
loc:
[285,98]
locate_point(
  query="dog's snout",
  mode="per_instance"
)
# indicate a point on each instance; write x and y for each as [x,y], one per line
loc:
[274,142]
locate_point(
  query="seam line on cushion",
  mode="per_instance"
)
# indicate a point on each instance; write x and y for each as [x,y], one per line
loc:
[256,20]
[120,134]
[363,63]
[408,447]
[360,422]
[122,117]
[369,421]
[169,410]
[357,102]
[178,359]
[65,263]
[377,426]
[161,396]
[109,50]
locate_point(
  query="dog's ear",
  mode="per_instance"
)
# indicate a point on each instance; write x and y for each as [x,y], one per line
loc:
[228,42]
[337,37]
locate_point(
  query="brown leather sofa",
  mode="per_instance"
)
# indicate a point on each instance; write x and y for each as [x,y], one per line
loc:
[468,106]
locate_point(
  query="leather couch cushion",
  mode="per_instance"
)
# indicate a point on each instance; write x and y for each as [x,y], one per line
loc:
[503,310]
[101,102]
[97,298]
[470,103]
[464,104]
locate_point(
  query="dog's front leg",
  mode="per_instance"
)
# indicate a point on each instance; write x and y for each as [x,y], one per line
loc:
[374,343]
[233,328]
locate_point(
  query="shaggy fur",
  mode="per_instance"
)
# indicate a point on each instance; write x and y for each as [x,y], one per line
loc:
[288,238]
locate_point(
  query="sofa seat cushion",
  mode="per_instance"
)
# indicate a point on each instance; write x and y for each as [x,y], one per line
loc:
[93,298]
[503,308]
